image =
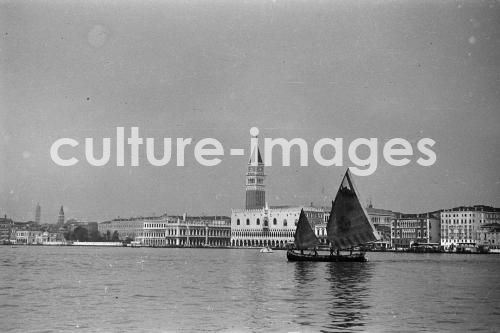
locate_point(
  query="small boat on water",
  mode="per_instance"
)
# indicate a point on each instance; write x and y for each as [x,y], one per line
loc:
[135,244]
[494,249]
[348,226]
[266,249]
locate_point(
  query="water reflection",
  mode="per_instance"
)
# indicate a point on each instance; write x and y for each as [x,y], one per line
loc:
[307,293]
[332,297]
[305,282]
[349,292]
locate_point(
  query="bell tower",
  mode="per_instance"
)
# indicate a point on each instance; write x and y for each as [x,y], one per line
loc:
[255,192]
[38,213]
[60,218]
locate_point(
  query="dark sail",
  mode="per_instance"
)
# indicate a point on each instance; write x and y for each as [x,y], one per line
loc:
[304,235]
[349,224]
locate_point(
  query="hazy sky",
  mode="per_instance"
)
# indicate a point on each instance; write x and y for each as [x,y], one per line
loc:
[308,69]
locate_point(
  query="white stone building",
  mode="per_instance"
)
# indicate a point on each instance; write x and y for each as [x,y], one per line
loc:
[198,231]
[272,226]
[183,231]
[461,225]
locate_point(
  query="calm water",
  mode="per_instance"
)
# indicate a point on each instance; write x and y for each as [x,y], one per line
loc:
[56,289]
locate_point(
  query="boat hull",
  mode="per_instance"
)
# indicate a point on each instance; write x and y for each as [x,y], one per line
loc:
[294,256]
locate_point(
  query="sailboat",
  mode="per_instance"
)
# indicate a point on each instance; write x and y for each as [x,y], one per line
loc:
[348,226]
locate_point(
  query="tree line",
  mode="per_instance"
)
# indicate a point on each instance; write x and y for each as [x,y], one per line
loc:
[81,234]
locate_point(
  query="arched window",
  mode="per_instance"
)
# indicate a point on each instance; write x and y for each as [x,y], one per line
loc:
[285,223]
[238,222]
[258,221]
[296,221]
[248,221]
[275,221]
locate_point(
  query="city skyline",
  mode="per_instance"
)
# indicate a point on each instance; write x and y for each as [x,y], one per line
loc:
[317,70]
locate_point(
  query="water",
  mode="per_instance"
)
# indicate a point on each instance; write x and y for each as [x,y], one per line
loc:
[60,289]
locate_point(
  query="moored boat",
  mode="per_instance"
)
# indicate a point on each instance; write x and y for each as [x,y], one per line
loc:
[266,249]
[135,244]
[494,249]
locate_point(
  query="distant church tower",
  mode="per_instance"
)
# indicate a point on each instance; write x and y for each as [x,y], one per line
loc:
[38,213]
[60,219]
[255,192]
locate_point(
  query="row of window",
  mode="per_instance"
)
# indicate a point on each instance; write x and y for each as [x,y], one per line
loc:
[451,228]
[458,236]
[378,219]
[154,234]
[155,225]
[275,222]
[459,215]
[121,227]
[320,231]
[445,221]
[487,215]
[409,224]
[252,181]
[407,234]
[281,234]
[198,232]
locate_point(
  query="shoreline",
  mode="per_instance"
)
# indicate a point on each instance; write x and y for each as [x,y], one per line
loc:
[115,244]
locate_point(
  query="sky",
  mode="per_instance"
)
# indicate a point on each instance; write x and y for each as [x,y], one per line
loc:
[215,69]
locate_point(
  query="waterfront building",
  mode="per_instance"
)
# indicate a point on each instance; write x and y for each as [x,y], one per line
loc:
[320,222]
[460,226]
[273,226]
[153,232]
[382,220]
[380,216]
[127,227]
[489,234]
[23,237]
[423,228]
[48,237]
[24,232]
[33,233]
[103,227]
[208,231]
[71,225]
[186,231]
[60,218]
[38,213]
[28,237]
[5,229]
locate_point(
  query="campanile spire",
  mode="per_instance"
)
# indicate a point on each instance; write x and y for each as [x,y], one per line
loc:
[60,218]
[255,191]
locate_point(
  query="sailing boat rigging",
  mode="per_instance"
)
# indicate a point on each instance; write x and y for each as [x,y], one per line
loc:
[348,226]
